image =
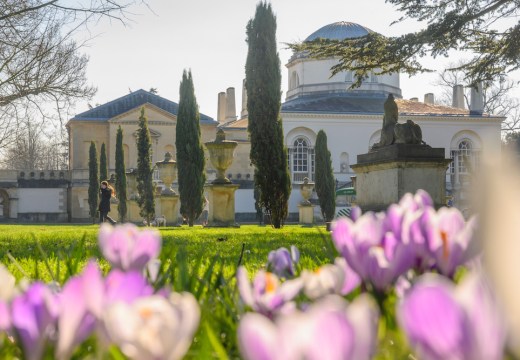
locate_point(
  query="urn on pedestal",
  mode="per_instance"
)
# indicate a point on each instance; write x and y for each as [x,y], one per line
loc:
[221,153]
[306,189]
[167,171]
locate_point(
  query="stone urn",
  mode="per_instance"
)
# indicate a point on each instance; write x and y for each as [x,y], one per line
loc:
[221,153]
[131,184]
[167,170]
[306,191]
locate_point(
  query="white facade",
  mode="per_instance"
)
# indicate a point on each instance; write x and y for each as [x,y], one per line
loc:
[315,101]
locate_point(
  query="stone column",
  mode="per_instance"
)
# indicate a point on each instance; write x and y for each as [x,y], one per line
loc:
[221,204]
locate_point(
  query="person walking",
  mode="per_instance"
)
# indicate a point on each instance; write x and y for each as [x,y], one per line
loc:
[107,192]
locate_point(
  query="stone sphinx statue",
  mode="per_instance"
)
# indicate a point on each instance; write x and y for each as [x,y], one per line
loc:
[408,133]
[394,132]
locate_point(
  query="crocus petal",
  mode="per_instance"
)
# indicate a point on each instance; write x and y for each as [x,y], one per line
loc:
[280,262]
[127,248]
[93,288]
[125,286]
[363,314]
[153,327]
[433,320]
[189,312]
[332,337]
[75,321]
[244,286]
[33,316]
[7,281]
[257,337]
[351,279]
[147,246]
[487,322]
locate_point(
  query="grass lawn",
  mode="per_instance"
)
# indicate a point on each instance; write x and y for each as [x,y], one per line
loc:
[62,242]
[200,260]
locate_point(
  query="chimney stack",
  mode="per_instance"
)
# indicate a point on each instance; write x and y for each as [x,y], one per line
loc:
[243,113]
[231,111]
[458,97]
[476,106]
[429,98]
[221,109]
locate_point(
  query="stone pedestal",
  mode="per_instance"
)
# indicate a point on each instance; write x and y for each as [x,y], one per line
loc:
[383,176]
[306,214]
[221,204]
[170,209]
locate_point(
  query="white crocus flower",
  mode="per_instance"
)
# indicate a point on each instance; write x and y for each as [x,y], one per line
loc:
[328,279]
[7,284]
[153,327]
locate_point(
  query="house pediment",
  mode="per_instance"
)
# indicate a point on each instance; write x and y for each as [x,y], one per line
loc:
[154,114]
[154,134]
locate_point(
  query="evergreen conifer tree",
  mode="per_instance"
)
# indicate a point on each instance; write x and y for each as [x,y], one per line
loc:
[93,181]
[103,171]
[120,176]
[190,154]
[263,81]
[145,186]
[325,182]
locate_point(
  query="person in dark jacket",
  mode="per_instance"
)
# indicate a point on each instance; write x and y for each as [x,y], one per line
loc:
[106,191]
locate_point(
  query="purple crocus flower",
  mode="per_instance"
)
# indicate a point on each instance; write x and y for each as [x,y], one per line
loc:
[267,295]
[281,261]
[404,221]
[372,249]
[128,248]
[81,300]
[328,329]
[449,238]
[33,317]
[85,297]
[442,321]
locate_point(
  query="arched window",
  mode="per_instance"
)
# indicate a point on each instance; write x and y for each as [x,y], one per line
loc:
[301,159]
[348,76]
[465,159]
[374,78]
[295,80]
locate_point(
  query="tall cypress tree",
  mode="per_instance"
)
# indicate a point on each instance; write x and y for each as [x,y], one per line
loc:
[145,186]
[93,181]
[263,82]
[325,183]
[120,175]
[190,154]
[103,171]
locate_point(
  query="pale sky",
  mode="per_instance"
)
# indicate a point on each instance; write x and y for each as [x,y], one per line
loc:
[208,36]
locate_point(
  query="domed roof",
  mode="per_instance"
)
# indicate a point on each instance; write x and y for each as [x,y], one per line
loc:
[339,31]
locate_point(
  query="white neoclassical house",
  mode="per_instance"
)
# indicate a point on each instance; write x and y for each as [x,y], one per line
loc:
[352,120]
